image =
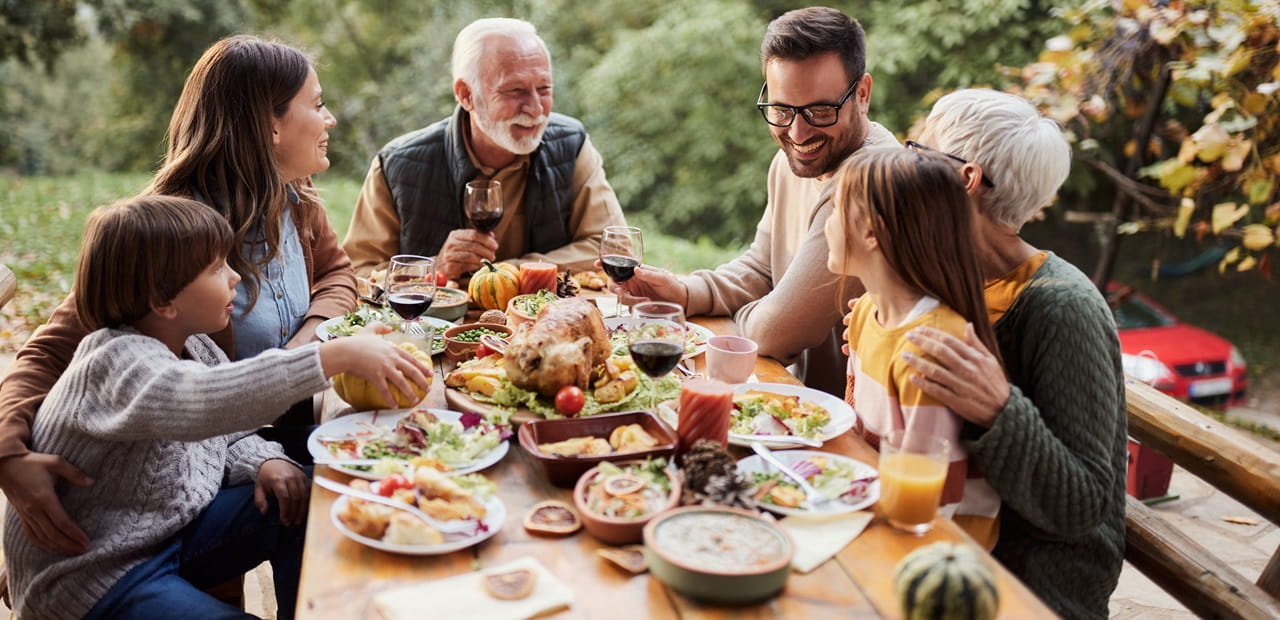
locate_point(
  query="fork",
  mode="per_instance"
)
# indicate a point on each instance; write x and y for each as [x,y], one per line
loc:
[456,526]
[816,500]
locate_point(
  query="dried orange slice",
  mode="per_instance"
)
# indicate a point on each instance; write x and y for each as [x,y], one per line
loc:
[552,517]
[622,484]
[510,586]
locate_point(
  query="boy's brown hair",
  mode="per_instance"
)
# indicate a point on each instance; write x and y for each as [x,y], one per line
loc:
[143,251]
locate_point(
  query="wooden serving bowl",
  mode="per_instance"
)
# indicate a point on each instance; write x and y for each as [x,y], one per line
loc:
[459,349]
[564,471]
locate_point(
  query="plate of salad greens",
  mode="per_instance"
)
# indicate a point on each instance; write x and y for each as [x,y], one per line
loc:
[352,322]
[464,442]
[776,411]
[854,484]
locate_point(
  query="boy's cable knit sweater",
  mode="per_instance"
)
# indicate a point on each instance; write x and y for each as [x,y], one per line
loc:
[1056,454]
[159,435]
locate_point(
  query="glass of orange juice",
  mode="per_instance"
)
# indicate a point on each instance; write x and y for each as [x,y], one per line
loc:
[913,467]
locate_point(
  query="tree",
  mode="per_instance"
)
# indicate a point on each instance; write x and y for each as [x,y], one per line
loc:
[671,106]
[1174,104]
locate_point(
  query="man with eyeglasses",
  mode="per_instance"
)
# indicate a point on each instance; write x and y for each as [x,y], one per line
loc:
[814,99]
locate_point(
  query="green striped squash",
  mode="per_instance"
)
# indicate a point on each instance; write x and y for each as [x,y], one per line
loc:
[494,285]
[945,581]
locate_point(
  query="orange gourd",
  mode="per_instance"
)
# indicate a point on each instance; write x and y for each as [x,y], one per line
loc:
[494,285]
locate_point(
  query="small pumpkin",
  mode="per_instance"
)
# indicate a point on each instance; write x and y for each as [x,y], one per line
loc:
[945,581]
[361,394]
[494,285]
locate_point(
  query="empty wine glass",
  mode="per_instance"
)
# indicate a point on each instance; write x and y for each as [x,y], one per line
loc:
[483,203]
[411,287]
[621,251]
[656,339]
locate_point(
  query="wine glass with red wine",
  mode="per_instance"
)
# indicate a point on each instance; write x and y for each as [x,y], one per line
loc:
[656,339]
[621,251]
[411,287]
[483,202]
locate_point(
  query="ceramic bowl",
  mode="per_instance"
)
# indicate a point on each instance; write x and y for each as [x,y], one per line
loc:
[751,562]
[564,471]
[460,349]
[449,304]
[613,530]
[515,317]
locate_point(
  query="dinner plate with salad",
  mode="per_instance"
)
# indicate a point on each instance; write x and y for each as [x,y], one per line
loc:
[695,337]
[352,322]
[463,442]
[411,537]
[771,412]
[853,484]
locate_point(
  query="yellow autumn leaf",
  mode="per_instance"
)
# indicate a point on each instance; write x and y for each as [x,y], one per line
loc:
[1255,103]
[1231,257]
[1257,237]
[1211,141]
[1247,263]
[1187,152]
[1185,209]
[1225,214]
[1260,190]
[1177,176]
[1238,61]
[1272,214]
[1237,152]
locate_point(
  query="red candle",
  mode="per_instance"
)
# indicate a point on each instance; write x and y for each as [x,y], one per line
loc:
[537,276]
[705,406]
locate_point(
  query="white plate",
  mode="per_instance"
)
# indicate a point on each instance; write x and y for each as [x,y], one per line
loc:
[697,335]
[754,463]
[495,515]
[323,333]
[358,423]
[842,416]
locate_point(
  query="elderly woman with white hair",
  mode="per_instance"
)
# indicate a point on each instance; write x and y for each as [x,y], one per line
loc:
[1048,429]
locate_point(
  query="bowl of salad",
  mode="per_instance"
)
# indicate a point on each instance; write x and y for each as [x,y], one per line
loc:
[616,500]
[523,308]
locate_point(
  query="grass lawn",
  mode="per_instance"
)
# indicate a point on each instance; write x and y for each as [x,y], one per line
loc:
[42,220]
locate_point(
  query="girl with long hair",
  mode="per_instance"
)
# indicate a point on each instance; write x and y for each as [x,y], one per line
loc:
[903,225]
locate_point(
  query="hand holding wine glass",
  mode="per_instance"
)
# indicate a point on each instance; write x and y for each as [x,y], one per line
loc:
[483,204]
[411,287]
[656,339]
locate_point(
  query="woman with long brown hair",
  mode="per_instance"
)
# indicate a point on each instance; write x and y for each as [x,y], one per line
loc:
[902,224]
[248,131]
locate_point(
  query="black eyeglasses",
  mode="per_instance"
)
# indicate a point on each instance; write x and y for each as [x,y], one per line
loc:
[816,114]
[911,144]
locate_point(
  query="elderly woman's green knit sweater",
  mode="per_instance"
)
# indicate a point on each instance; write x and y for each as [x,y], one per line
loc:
[1056,453]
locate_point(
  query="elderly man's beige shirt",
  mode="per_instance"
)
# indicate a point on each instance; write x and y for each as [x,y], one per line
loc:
[780,292]
[374,235]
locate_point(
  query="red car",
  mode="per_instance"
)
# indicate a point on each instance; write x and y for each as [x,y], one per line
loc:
[1182,360]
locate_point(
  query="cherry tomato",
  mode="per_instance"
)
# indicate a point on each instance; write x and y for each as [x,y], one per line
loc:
[393,483]
[442,279]
[570,399]
[483,350]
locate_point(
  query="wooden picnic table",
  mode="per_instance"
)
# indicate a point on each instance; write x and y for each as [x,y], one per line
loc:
[340,576]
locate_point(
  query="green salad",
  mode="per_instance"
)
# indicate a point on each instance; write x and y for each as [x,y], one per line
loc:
[358,319]
[509,397]
[833,478]
[421,435]
[757,412]
[534,302]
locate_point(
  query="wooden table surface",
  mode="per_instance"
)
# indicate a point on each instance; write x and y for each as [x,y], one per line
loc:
[340,576]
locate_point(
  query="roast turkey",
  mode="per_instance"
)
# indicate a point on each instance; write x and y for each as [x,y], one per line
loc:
[559,347]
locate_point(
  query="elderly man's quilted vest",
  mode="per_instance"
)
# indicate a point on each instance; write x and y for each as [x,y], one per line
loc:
[427,171]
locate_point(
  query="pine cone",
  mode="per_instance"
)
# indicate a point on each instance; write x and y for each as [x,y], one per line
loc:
[565,285]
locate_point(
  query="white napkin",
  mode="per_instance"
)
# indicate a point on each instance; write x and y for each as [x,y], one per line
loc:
[818,537]
[608,305]
[464,596]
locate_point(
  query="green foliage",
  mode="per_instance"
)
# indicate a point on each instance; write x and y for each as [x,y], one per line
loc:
[37,31]
[670,105]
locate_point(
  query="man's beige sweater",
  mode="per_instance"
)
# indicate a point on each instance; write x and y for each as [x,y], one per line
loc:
[780,292]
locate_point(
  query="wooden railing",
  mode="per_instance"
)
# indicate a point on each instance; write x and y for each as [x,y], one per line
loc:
[1229,460]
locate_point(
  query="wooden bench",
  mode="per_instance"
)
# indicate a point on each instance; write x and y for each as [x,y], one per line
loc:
[1235,464]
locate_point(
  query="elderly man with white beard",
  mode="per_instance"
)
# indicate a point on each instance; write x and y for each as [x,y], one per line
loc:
[557,200]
